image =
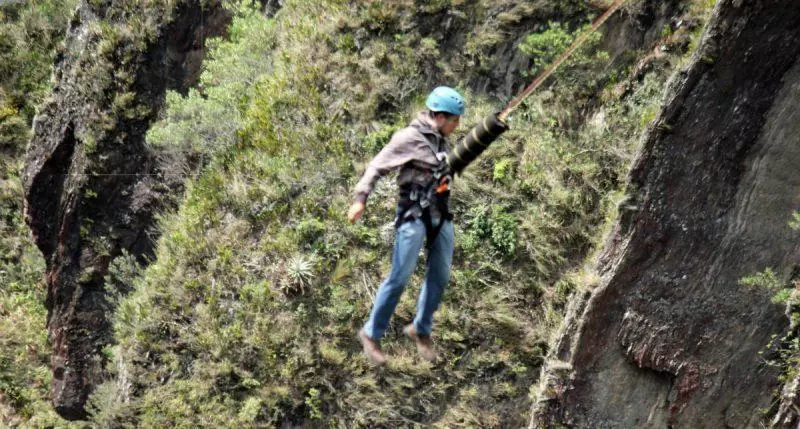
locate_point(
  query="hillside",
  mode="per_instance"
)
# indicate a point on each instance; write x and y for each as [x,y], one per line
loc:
[217,283]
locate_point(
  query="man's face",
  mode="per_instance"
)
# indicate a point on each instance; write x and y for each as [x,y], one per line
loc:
[447,125]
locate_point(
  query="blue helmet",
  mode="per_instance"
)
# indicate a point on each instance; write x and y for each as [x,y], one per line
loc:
[445,99]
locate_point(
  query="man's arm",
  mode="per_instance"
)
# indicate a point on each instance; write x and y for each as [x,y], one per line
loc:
[397,152]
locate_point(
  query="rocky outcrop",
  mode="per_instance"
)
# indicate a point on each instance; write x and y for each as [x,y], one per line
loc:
[671,338]
[92,186]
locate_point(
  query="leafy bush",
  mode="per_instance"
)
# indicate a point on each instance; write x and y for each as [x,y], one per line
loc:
[495,225]
[545,46]
[29,34]
[208,119]
[794,223]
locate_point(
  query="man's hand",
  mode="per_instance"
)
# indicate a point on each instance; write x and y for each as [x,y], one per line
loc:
[355,212]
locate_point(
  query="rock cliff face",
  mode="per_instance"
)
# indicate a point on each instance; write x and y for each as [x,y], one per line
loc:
[92,187]
[670,337]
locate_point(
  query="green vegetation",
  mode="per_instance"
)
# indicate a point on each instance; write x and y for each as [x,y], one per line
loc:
[769,280]
[30,31]
[248,314]
[783,351]
[29,34]
[247,317]
[546,46]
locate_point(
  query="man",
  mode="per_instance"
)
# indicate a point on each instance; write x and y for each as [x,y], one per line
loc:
[422,216]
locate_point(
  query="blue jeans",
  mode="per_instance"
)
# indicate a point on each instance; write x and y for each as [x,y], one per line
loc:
[409,239]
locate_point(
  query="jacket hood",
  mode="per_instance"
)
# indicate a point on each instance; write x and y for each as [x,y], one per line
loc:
[425,124]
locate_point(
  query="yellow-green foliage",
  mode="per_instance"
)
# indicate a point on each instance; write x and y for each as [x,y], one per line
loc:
[249,312]
[29,34]
[24,350]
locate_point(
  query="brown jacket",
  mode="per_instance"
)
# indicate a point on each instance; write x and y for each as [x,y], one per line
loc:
[413,149]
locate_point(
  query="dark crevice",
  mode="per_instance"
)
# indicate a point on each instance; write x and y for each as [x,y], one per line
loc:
[48,188]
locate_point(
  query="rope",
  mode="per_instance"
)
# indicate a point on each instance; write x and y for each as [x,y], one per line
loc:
[563,57]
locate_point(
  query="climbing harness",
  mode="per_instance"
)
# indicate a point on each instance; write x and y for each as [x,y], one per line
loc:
[416,202]
[422,202]
[466,150]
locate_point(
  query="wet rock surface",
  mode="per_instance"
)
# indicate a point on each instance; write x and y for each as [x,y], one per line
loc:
[671,338]
[92,186]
